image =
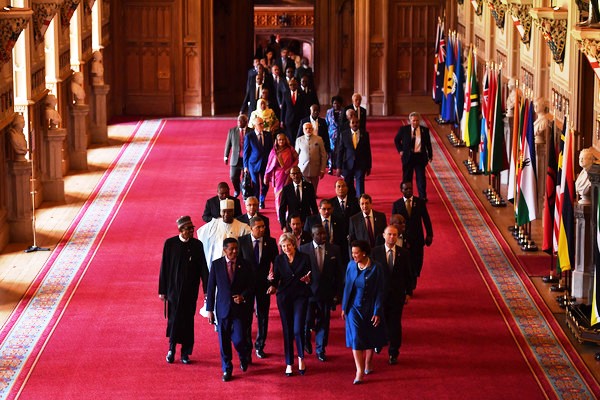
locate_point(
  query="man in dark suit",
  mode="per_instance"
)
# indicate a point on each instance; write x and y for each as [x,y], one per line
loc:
[297,197]
[325,284]
[368,224]
[319,126]
[252,206]
[310,93]
[293,109]
[414,145]
[257,146]
[344,206]
[259,249]
[359,112]
[335,231]
[253,90]
[284,85]
[212,208]
[234,146]
[230,283]
[295,228]
[396,262]
[354,158]
[283,61]
[414,211]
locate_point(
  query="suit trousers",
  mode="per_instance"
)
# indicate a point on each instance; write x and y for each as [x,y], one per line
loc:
[235,174]
[292,310]
[263,304]
[314,180]
[352,176]
[260,189]
[416,258]
[318,316]
[232,330]
[393,323]
[416,165]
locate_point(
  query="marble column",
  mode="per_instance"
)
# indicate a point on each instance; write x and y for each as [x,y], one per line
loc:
[78,136]
[20,206]
[581,287]
[98,128]
[52,182]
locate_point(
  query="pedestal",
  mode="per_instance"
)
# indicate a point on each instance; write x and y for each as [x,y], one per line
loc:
[78,138]
[583,272]
[52,181]
[541,154]
[98,128]
[20,210]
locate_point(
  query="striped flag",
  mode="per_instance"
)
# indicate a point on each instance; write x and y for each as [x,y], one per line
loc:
[594,63]
[498,161]
[439,63]
[459,93]
[514,150]
[527,199]
[483,155]
[518,25]
[550,197]
[595,301]
[471,124]
[566,227]
[558,197]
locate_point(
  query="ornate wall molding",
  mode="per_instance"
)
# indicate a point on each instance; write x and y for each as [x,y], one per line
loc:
[521,20]
[43,12]
[478,6]
[588,40]
[498,11]
[285,17]
[553,24]
[66,12]
[12,23]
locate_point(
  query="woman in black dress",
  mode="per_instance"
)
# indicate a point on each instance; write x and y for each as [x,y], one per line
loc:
[362,308]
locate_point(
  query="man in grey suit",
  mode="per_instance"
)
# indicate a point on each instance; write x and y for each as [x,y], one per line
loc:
[234,147]
[312,157]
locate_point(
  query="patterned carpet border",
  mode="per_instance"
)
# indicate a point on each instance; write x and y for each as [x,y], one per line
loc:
[531,330]
[30,327]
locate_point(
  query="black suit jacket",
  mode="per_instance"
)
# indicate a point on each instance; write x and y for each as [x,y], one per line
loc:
[351,207]
[287,276]
[291,113]
[404,143]
[212,209]
[289,202]
[338,228]
[245,219]
[325,284]
[418,219]
[362,122]
[358,227]
[262,269]
[323,132]
[221,299]
[399,279]
[351,159]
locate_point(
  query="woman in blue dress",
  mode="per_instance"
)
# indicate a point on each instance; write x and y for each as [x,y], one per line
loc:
[362,307]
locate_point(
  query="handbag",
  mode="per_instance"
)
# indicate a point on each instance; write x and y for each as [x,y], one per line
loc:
[247,185]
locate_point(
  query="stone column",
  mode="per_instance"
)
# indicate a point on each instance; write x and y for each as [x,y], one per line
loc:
[20,210]
[583,272]
[98,128]
[52,182]
[78,137]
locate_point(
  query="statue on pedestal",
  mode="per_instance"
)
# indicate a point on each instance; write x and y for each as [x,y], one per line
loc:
[541,126]
[513,91]
[583,186]
[52,116]
[97,69]
[17,137]
[77,88]
[593,20]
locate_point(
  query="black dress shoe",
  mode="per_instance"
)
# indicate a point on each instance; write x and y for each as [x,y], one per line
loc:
[244,366]
[260,353]
[262,205]
[185,359]
[308,347]
[321,357]
[393,360]
[377,350]
[170,357]
[226,376]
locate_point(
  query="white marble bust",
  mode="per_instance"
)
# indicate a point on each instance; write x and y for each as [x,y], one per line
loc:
[541,126]
[52,116]
[583,186]
[97,68]
[77,88]
[511,100]
[17,137]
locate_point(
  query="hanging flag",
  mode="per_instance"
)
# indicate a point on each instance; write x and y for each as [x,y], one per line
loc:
[566,233]
[449,83]
[550,197]
[514,149]
[558,197]
[439,63]
[483,161]
[595,318]
[490,118]
[527,199]
[594,64]
[518,25]
[459,94]
[471,133]
[498,161]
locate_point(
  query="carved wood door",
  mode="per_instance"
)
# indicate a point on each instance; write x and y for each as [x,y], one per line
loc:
[148,42]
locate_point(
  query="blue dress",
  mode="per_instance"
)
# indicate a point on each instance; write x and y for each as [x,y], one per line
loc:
[363,296]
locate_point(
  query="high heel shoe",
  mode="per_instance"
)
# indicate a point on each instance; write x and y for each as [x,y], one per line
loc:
[301,366]
[288,370]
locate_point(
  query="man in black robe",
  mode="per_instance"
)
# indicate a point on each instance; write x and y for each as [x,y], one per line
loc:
[183,266]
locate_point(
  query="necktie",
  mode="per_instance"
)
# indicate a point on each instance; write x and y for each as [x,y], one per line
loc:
[370,230]
[390,259]
[354,138]
[257,251]
[326,226]
[230,266]
[298,193]
[241,141]
[342,206]
[294,97]
[409,206]
[260,139]
[320,258]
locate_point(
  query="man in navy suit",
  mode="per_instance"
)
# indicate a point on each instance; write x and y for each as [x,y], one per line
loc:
[368,224]
[414,211]
[325,284]
[257,146]
[344,206]
[354,157]
[414,145]
[230,283]
[259,250]
[212,208]
[396,263]
[297,197]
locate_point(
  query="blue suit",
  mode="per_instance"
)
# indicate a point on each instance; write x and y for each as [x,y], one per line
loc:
[232,318]
[354,163]
[256,156]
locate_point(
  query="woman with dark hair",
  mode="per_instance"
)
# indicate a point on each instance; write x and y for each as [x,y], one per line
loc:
[291,280]
[362,307]
[281,160]
[333,117]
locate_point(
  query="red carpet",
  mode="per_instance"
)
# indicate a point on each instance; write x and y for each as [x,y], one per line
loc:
[110,340]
